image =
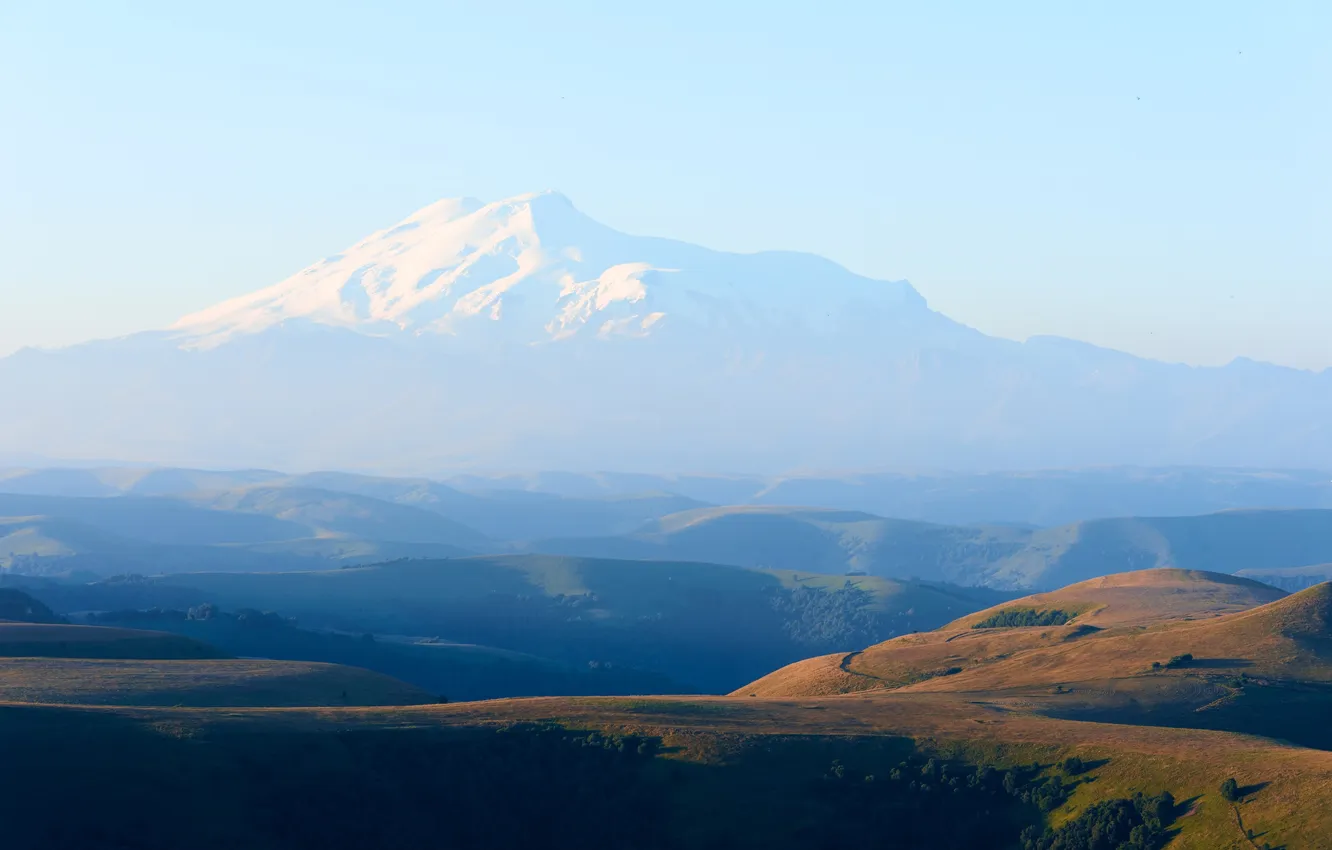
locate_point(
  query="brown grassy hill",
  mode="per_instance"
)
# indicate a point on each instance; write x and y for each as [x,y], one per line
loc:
[1142,596]
[1289,640]
[1098,609]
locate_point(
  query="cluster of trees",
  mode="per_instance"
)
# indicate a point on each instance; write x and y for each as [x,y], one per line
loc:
[1175,662]
[1230,790]
[1012,618]
[830,619]
[1137,823]
[1027,784]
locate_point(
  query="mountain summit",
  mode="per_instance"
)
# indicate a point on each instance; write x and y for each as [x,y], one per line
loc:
[533,269]
[523,334]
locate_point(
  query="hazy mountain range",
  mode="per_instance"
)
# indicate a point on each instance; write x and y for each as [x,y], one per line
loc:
[104,522]
[522,334]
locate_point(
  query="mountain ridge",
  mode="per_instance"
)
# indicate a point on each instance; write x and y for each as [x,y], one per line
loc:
[523,334]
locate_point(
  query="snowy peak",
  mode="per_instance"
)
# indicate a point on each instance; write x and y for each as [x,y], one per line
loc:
[534,269]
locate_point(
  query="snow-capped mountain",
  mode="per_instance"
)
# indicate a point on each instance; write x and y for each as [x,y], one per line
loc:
[522,334]
[533,269]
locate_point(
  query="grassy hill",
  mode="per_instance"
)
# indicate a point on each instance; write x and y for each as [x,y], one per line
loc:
[1141,597]
[1099,610]
[1045,730]
[1164,647]
[60,663]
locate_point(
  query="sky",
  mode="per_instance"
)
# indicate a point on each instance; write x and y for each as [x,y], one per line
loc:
[1145,176]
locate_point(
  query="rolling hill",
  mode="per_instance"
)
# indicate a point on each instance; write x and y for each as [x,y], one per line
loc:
[996,556]
[449,670]
[708,627]
[1048,732]
[1164,647]
[45,661]
[1090,613]
[286,523]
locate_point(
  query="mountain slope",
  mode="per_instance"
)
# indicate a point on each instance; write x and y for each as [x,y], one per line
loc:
[1163,648]
[533,269]
[1096,609]
[506,335]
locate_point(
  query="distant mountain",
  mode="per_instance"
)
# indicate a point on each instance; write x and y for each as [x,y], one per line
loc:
[52,535]
[360,505]
[522,334]
[531,506]
[995,556]
[277,522]
[1038,498]
[821,541]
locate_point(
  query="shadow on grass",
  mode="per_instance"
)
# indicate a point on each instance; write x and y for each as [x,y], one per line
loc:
[1249,790]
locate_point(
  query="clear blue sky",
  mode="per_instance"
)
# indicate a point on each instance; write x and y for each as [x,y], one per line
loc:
[158,157]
